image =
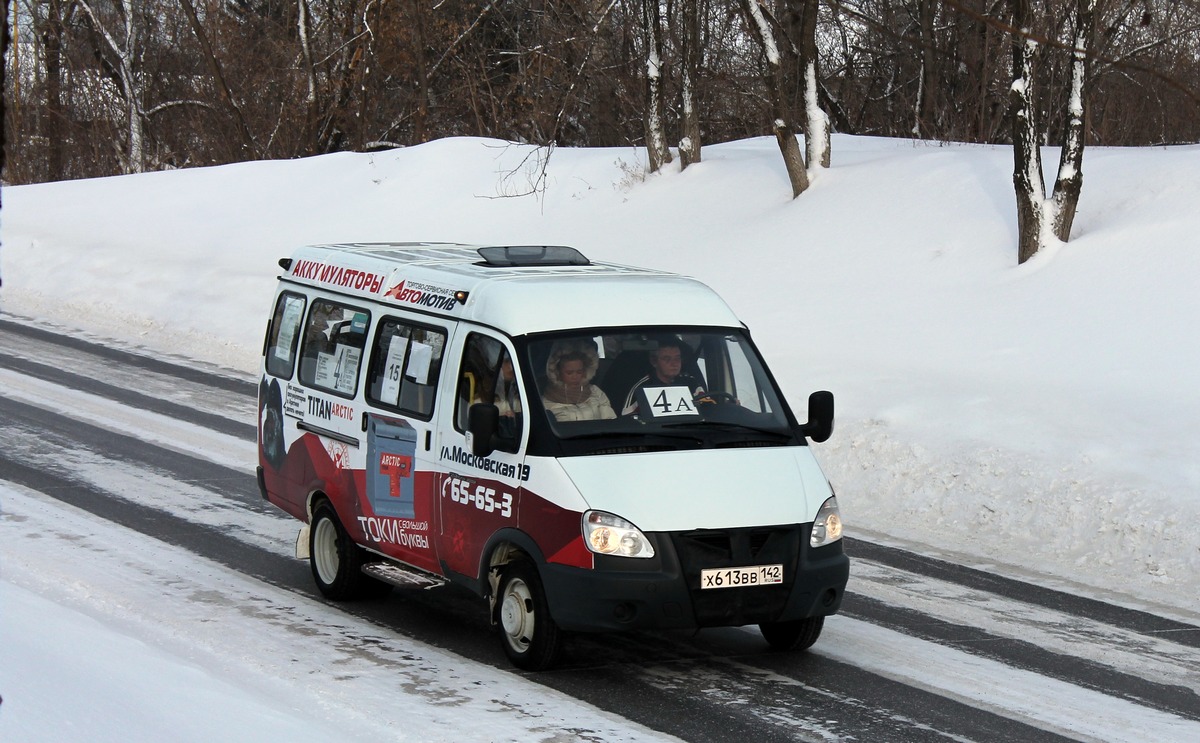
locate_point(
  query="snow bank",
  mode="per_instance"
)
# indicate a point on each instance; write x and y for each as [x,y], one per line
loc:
[1038,417]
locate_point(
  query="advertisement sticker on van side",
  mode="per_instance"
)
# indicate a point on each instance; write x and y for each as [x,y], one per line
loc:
[622,462]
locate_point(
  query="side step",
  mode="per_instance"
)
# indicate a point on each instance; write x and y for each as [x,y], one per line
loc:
[402,576]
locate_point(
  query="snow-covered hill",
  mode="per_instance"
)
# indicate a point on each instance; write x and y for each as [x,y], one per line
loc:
[1039,417]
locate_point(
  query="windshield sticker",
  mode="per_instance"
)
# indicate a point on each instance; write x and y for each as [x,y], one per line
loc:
[669,402]
[338,370]
[393,368]
[293,308]
[419,362]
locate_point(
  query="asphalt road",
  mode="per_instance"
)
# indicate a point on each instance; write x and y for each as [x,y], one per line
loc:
[923,649]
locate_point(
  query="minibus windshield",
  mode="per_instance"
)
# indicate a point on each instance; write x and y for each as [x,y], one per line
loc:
[654,388]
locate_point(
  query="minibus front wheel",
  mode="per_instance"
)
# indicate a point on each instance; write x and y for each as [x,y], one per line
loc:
[531,639]
[797,634]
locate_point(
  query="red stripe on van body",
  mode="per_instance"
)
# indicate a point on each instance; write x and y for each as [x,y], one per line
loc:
[448,526]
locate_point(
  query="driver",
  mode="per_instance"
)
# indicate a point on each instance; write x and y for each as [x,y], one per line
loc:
[666,370]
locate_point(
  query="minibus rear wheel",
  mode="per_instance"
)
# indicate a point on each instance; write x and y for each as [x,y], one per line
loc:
[531,639]
[336,561]
[797,634]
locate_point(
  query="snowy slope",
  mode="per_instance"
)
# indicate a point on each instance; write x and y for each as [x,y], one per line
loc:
[1040,415]
[1038,419]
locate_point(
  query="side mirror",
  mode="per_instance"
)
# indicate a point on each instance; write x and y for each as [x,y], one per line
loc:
[820,417]
[483,422]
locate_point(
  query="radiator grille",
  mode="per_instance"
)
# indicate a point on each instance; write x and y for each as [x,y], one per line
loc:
[723,548]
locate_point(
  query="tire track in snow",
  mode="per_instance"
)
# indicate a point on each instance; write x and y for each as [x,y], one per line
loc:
[33,342]
[814,714]
[333,675]
[73,385]
[1135,620]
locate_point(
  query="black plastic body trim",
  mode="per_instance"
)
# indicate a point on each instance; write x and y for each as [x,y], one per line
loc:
[663,592]
[327,433]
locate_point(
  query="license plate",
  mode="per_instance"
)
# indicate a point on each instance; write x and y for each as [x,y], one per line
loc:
[752,575]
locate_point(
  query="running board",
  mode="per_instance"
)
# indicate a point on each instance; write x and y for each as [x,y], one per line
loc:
[402,576]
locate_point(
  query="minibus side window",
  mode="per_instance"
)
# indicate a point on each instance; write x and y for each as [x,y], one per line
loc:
[406,360]
[285,335]
[333,347]
[487,375]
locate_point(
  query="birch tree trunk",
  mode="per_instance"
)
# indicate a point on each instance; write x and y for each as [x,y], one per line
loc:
[656,137]
[689,145]
[1027,157]
[1069,182]
[816,121]
[785,132]
[303,27]
[134,159]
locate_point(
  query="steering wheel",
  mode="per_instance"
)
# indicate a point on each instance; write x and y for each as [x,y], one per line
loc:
[715,398]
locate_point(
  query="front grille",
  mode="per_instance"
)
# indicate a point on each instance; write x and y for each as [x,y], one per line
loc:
[724,548]
[727,544]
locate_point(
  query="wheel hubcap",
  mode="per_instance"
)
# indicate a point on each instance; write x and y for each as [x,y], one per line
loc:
[516,615]
[324,550]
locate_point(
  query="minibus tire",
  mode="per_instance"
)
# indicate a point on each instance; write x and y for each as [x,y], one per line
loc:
[531,639]
[336,561]
[797,634]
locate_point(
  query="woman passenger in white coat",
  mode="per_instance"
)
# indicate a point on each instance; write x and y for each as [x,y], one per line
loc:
[570,394]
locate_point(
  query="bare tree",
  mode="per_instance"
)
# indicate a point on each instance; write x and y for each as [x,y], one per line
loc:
[1145,85]
[4,43]
[760,21]
[928,78]
[201,82]
[1027,157]
[656,135]
[224,95]
[1039,220]
[54,116]
[121,39]
[689,143]
[816,121]
[1069,182]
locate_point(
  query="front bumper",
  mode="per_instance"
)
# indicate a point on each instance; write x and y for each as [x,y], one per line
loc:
[664,592]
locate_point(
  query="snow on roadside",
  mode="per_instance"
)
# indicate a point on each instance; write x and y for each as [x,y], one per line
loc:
[1063,526]
[1051,704]
[1039,417]
[143,642]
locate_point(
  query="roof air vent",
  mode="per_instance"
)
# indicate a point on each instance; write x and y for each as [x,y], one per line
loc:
[532,255]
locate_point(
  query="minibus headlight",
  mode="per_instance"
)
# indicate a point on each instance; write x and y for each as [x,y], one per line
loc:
[606,534]
[827,528]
